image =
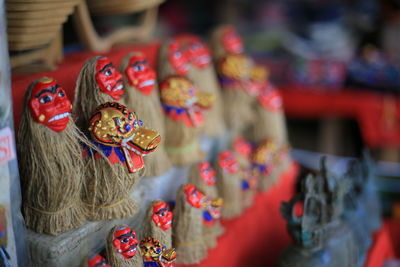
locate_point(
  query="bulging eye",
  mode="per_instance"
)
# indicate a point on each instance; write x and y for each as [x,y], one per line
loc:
[138,67]
[125,240]
[46,99]
[61,94]
[108,72]
[127,127]
[158,250]
[177,54]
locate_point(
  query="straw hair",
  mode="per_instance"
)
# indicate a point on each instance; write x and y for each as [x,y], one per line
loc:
[117,260]
[52,169]
[106,191]
[245,169]
[238,113]
[218,50]
[210,233]
[181,143]
[150,229]
[148,108]
[206,81]
[188,231]
[88,94]
[269,125]
[230,190]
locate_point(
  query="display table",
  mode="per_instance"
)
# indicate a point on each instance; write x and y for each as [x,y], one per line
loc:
[377,115]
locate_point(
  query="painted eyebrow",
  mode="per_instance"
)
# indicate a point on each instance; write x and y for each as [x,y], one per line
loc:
[109,65]
[51,89]
[161,210]
[139,62]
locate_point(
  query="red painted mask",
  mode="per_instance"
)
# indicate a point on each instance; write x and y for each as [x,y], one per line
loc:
[271,99]
[178,58]
[194,197]
[98,261]
[109,79]
[162,215]
[227,162]
[242,147]
[140,75]
[198,53]
[207,173]
[49,104]
[231,41]
[125,242]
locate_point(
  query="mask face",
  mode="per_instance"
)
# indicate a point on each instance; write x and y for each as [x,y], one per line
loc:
[179,92]
[194,197]
[109,79]
[178,58]
[140,75]
[207,173]
[271,99]
[125,242]
[98,261]
[49,104]
[227,162]
[162,215]
[231,41]
[198,53]
[242,146]
[151,249]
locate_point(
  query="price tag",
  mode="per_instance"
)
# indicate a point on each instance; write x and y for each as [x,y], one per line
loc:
[7,151]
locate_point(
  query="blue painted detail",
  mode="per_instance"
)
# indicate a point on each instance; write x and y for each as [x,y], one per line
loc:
[168,109]
[207,216]
[245,185]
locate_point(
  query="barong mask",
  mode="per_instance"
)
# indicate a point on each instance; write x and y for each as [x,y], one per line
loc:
[109,79]
[162,215]
[140,74]
[125,242]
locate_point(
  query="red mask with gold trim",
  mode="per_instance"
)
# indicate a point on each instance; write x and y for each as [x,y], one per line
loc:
[125,242]
[162,215]
[178,57]
[207,173]
[49,104]
[195,197]
[231,41]
[98,261]
[140,75]
[114,125]
[109,79]
[242,147]
[227,162]
[198,53]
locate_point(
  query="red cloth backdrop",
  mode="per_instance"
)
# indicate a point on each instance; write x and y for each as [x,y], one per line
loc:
[378,115]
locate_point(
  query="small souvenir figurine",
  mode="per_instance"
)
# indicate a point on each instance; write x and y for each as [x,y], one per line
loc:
[123,141]
[269,114]
[123,247]
[173,59]
[98,82]
[188,225]
[242,151]
[203,176]
[158,222]
[141,94]
[50,157]
[229,184]
[263,164]
[203,76]
[97,261]
[319,234]
[155,254]
[183,106]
